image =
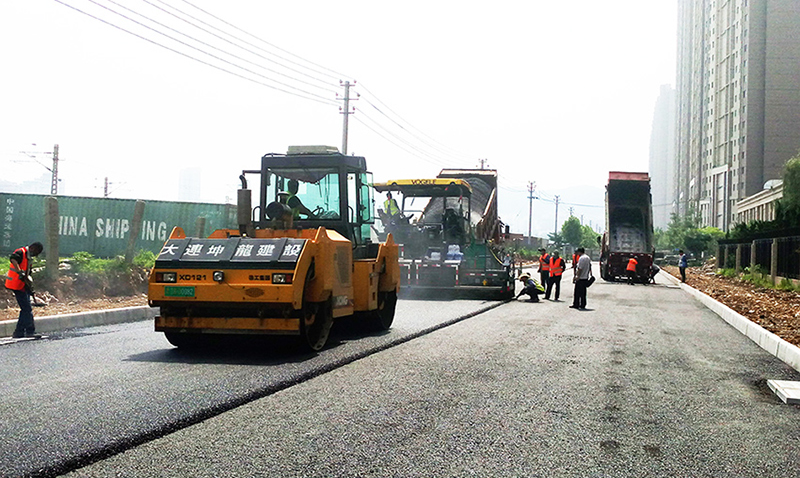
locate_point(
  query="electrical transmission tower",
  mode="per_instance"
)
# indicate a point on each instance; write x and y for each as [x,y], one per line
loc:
[53,170]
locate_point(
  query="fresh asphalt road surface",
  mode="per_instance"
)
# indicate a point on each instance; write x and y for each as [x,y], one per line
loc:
[646,382]
[92,392]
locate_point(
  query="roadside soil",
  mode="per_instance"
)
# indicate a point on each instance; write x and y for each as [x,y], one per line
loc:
[76,294]
[775,310]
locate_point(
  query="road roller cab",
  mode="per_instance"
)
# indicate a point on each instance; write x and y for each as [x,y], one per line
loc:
[302,257]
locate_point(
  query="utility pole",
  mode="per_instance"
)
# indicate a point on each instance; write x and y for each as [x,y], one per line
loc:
[53,170]
[105,187]
[555,229]
[54,182]
[484,163]
[571,209]
[531,187]
[346,112]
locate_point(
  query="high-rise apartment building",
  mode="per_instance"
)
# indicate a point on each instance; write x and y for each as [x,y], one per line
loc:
[738,101]
[662,158]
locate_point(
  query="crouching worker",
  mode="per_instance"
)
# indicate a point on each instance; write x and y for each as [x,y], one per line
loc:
[654,272]
[530,287]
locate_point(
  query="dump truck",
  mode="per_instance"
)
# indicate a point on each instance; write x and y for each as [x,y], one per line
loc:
[629,226]
[300,259]
[448,232]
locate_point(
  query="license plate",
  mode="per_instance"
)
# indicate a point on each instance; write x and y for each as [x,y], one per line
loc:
[178,291]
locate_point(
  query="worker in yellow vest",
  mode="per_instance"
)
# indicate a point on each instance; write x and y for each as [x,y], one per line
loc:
[390,205]
[557,266]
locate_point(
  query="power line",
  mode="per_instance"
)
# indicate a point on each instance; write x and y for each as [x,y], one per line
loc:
[430,157]
[422,146]
[454,153]
[194,47]
[404,148]
[328,84]
[312,97]
[335,74]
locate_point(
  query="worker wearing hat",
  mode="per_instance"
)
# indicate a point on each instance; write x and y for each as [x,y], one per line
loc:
[530,287]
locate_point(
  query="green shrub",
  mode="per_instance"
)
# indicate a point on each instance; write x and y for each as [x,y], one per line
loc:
[729,273]
[786,284]
[758,276]
[85,262]
[144,259]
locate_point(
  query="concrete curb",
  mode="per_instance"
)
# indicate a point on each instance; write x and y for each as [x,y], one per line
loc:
[783,350]
[56,323]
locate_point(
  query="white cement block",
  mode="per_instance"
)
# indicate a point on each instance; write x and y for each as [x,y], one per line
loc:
[786,390]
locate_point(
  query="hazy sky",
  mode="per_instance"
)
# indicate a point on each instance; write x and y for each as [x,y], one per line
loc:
[553,92]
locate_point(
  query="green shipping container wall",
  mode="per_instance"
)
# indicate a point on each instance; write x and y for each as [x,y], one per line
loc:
[102,226]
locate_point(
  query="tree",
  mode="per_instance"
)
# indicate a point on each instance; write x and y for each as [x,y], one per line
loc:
[589,237]
[557,240]
[660,240]
[572,232]
[791,184]
[787,209]
[685,233]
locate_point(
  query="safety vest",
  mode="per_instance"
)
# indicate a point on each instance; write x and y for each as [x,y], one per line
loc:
[632,264]
[532,283]
[14,282]
[390,206]
[556,266]
[544,262]
[575,258]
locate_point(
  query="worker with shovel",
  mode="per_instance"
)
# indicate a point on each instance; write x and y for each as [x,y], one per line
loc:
[20,283]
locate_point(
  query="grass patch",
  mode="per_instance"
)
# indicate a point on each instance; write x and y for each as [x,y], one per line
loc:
[758,276]
[787,285]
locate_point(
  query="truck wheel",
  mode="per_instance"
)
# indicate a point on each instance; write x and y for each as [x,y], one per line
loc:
[316,320]
[381,318]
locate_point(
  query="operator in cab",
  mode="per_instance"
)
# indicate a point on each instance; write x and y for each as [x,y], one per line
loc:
[390,206]
[295,203]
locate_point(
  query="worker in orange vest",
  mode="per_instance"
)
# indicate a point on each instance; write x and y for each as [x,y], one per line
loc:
[19,282]
[631,270]
[544,266]
[557,266]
